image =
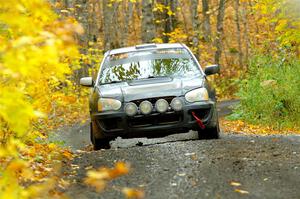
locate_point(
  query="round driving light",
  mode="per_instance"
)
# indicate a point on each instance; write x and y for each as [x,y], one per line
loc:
[131,109]
[177,104]
[161,105]
[146,107]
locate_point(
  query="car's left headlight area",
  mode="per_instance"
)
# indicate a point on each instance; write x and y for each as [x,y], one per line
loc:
[197,95]
[108,104]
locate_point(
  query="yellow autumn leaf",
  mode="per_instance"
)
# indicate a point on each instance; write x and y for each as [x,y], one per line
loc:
[236,184]
[133,193]
[241,191]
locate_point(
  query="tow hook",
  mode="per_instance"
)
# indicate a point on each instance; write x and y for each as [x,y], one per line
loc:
[199,122]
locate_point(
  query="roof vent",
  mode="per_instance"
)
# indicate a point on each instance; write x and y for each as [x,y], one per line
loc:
[144,46]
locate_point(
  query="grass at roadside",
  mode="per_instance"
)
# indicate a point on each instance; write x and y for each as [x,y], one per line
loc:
[269,93]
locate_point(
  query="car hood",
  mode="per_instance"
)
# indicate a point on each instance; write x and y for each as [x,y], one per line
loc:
[150,88]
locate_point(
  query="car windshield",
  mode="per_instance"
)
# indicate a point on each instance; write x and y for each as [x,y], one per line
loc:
[175,62]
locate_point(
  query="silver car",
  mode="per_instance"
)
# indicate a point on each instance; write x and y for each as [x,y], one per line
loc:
[151,90]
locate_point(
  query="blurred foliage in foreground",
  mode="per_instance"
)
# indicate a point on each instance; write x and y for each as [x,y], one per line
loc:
[99,178]
[39,65]
[37,49]
[270,93]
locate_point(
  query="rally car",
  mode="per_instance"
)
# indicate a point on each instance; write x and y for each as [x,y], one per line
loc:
[151,90]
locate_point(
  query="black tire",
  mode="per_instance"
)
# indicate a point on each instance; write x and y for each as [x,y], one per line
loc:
[209,133]
[99,143]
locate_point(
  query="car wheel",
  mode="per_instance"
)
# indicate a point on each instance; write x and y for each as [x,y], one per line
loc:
[99,143]
[209,133]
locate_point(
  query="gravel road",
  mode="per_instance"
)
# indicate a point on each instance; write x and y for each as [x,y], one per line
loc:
[180,166]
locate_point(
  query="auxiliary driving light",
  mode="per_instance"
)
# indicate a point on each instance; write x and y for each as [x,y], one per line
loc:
[161,105]
[146,107]
[176,104]
[131,109]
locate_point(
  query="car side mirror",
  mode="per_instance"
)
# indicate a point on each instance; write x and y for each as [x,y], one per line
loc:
[213,69]
[87,81]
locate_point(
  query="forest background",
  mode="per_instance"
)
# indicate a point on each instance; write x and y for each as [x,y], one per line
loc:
[47,46]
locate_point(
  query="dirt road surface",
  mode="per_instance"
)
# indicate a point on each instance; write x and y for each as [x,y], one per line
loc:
[181,166]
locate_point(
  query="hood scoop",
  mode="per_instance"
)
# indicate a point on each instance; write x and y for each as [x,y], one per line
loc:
[150,88]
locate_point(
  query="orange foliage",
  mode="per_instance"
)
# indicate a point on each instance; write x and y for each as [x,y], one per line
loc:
[241,127]
[98,178]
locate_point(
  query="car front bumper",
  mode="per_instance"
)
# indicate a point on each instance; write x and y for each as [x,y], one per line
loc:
[114,124]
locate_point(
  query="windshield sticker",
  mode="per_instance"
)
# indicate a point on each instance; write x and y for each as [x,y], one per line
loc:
[120,56]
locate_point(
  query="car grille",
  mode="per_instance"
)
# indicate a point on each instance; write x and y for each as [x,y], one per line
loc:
[155,119]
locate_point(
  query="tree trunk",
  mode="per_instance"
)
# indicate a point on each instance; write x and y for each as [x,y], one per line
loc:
[206,20]
[169,18]
[128,8]
[238,32]
[107,24]
[116,26]
[196,27]
[82,15]
[92,21]
[184,17]
[148,26]
[246,31]
[220,30]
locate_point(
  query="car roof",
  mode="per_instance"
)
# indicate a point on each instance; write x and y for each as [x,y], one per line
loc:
[143,47]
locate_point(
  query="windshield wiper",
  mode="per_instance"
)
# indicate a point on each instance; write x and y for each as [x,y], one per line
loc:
[153,77]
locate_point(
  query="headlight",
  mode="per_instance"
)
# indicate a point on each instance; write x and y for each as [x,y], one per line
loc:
[161,105]
[146,107]
[107,104]
[197,95]
[131,109]
[176,104]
